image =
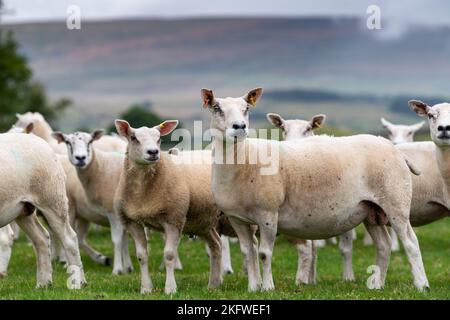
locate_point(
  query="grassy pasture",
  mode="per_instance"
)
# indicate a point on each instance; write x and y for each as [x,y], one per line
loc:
[192,279]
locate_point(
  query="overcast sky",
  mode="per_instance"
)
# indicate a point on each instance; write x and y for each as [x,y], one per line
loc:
[405,12]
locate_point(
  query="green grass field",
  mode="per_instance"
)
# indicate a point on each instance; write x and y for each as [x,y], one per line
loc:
[192,279]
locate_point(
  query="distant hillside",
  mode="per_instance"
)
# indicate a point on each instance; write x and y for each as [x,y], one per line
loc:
[107,66]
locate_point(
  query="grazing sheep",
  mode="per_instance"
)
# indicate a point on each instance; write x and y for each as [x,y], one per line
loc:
[43,129]
[32,178]
[156,192]
[314,189]
[99,174]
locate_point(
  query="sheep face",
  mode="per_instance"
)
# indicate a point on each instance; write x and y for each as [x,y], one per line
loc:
[230,116]
[296,129]
[79,146]
[401,133]
[144,144]
[438,119]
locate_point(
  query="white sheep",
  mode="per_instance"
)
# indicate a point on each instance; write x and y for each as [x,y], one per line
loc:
[431,199]
[99,174]
[294,130]
[32,178]
[312,189]
[398,134]
[156,192]
[42,129]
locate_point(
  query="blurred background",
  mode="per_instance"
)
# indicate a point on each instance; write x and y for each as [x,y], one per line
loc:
[148,59]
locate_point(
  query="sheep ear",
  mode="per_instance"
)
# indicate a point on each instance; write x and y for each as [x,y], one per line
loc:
[29,128]
[253,96]
[167,127]
[97,134]
[419,107]
[416,127]
[207,98]
[276,120]
[123,128]
[59,136]
[386,124]
[318,120]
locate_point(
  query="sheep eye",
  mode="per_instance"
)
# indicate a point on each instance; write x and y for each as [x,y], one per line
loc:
[246,110]
[133,138]
[409,133]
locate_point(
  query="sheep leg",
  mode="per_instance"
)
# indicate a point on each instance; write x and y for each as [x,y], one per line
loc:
[320,243]
[82,228]
[305,273]
[41,242]
[227,268]
[126,259]
[138,234]
[249,250]
[212,240]
[6,243]
[178,265]
[346,248]
[268,234]
[394,238]
[382,242]
[410,243]
[172,239]
[367,241]
[16,230]
[117,237]
[62,229]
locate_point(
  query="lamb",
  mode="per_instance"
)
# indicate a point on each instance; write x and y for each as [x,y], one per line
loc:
[156,192]
[398,134]
[368,180]
[32,178]
[43,129]
[99,174]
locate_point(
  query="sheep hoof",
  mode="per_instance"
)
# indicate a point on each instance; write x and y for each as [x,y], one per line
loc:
[117,272]
[44,285]
[170,291]
[3,275]
[349,278]
[146,291]
[425,289]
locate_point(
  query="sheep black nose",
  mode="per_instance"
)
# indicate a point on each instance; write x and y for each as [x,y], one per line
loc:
[237,126]
[442,128]
[80,158]
[153,152]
